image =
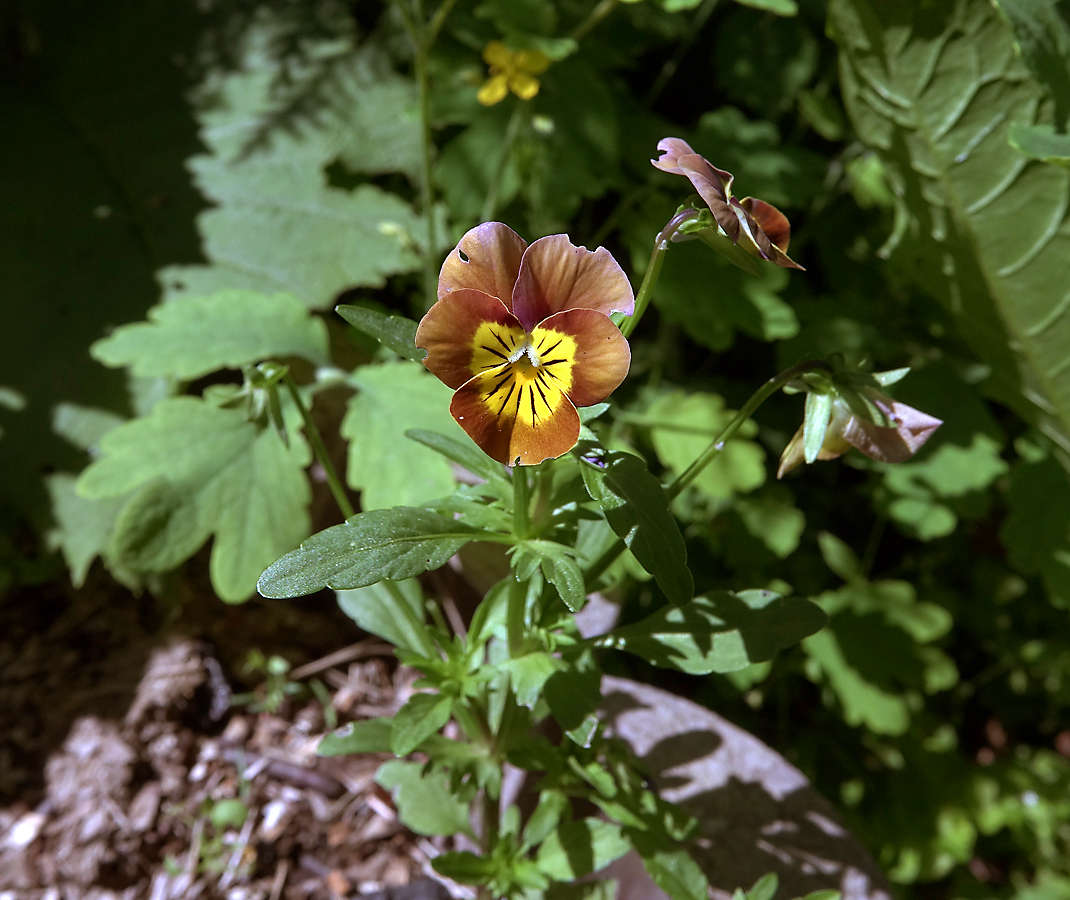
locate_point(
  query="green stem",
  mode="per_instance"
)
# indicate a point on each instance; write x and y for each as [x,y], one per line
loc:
[596,15]
[757,399]
[521,524]
[516,616]
[319,449]
[511,130]
[427,200]
[609,556]
[653,270]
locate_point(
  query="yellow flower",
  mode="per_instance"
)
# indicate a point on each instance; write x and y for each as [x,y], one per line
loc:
[511,71]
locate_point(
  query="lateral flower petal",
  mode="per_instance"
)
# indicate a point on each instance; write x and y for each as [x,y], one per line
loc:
[486,259]
[466,332]
[555,275]
[593,349]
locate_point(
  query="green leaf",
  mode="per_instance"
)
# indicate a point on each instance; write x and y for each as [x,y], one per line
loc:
[366,736]
[682,425]
[228,479]
[384,465]
[552,807]
[839,556]
[193,336]
[637,509]
[777,7]
[573,693]
[764,888]
[394,332]
[528,674]
[1042,39]
[466,455]
[278,224]
[465,867]
[719,632]
[422,716]
[575,849]
[380,610]
[935,90]
[83,527]
[676,873]
[382,544]
[773,521]
[559,567]
[156,530]
[423,799]
[1041,142]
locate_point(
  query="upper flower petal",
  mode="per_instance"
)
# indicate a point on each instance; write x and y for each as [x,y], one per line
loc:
[465,332]
[516,414]
[555,276]
[486,259]
[713,185]
[494,89]
[497,54]
[756,218]
[584,352]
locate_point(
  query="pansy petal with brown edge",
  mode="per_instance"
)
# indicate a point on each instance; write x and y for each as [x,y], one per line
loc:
[486,259]
[774,225]
[516,414]
[555,275]
[892,445]
[466,332]
[584,352]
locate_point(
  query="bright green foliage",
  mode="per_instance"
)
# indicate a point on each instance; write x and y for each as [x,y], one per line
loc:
[719,632]
[580,847]
[395,332]
[194,336]
[681,427]
[200,472]
[935,90]
[393,611]
[385,466]
[424,801]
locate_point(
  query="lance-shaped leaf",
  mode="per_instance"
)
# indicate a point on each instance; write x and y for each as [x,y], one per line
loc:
[637,509]
[719,632]
[192,336]
[396,332]
[381,544]
[204,471]
[937,89]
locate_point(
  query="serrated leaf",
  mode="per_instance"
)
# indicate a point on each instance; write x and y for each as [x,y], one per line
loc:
[365,736]
[935,89]
[388,468]
[237,482]
[392,610]
[637,508]
[395,332]
[578,848]
[391,544]
[528,674]
[423,800]
[421,716]
[192,336]
[83,526]
[719,632]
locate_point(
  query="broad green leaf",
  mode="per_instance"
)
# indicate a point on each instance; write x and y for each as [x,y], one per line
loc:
[381,544]
[773,521]
[1036,532]
[577,848]
[1042,38]
[395,332]
[156,530]
[553,805]
[719,632]
[84,426]
[388,468]
[839,556]
[574,693]
[675,872]
[637,508]
[559,567]
[528,674]
[465,867]
[83,527]
[1041,142]
[423,800]
[422,716]
[392,610]
[278,224]
[193,336]
[682,425]
[366,736]
[230,480]
[935,89]
[764,888]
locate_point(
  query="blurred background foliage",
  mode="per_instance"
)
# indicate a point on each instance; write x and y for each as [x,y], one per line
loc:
[214,156]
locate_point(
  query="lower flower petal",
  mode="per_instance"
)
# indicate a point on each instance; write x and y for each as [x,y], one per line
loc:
[467,332]
[584,354]
[493,90]
[517,414]
[523,85]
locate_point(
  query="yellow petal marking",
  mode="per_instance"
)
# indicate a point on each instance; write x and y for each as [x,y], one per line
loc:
[523,376]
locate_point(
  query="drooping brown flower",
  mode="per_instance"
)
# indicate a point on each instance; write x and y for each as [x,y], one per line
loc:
[758,227]
[522,333]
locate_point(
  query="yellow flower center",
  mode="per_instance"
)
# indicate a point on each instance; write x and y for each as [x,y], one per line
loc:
[525,376]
